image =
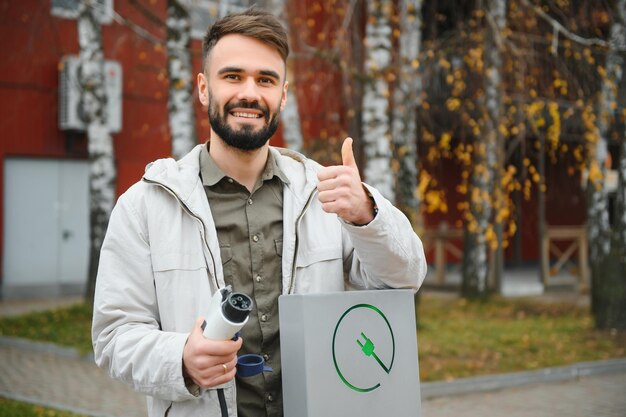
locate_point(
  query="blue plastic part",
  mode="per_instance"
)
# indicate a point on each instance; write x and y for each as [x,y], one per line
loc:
[250,365]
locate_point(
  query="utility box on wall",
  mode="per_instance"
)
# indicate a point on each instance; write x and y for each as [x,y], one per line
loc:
[349,354]
[70,92]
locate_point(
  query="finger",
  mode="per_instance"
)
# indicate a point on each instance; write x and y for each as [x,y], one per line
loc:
[326,197]
[221,377]
[347,155]
[227,347]
[330,172]
[197,327]
[216,376]
[220,348]
[335,207]
[336,194]
[327,185]
[195,339]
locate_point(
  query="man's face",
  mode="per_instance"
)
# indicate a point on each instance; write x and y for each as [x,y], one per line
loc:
[244,89]
[246,137]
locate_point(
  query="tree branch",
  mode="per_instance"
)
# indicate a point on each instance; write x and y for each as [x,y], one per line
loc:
[147,13]
[559,28]
[141,32]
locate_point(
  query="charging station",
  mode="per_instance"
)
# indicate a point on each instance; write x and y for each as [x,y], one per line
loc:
[349,354]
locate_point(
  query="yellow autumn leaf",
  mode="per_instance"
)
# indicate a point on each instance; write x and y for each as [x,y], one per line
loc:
[444,142]
[444,63]
[453,104]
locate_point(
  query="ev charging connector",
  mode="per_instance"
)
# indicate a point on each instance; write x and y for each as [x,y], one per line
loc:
[228,313]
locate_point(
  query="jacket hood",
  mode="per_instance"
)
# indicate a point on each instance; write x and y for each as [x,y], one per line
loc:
[181,176]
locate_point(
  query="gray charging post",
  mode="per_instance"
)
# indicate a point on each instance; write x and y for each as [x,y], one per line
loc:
[349,354]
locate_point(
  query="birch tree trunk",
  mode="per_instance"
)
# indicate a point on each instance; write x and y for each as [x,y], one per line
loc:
[102,172]
[376,125]
[608,261]
[618,40]
[620,212]
[406,101]
[290,116]
[485,163]
[180,102]
[611,309]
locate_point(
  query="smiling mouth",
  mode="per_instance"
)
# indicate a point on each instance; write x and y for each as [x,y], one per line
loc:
[246,115]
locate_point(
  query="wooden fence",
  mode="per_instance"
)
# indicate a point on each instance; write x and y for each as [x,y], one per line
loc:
[446,241]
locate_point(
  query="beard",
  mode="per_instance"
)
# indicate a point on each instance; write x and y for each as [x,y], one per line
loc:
[245,138]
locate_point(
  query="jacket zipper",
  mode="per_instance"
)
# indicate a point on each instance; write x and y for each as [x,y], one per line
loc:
[295,254]
[188,211]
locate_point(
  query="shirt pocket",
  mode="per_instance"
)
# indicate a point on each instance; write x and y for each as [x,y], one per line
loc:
[320,270]
[312,256]
[181,282]
[162,262]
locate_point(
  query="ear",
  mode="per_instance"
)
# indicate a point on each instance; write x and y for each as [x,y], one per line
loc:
[283,99]
[203,90]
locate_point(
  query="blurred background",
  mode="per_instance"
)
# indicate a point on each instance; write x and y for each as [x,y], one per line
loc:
[497,126]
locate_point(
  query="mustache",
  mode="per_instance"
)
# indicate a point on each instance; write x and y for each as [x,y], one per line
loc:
[247,105]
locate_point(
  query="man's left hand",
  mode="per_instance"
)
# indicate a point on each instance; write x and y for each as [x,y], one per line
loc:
[341,191]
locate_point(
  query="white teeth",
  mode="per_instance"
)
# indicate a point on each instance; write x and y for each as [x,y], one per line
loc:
[246,115]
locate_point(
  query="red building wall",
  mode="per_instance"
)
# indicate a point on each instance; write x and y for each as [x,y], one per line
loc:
[33,43]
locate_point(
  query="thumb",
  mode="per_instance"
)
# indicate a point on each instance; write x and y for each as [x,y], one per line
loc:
[197,328]
[347,155]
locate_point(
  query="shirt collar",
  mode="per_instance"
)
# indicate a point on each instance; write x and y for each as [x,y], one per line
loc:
[211,174]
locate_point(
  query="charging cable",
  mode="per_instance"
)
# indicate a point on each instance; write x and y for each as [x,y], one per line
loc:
[228,313]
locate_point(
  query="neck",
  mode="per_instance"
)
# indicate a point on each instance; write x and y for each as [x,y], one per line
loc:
[245,167]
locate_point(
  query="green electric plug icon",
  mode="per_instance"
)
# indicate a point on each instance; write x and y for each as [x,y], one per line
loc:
[368,350]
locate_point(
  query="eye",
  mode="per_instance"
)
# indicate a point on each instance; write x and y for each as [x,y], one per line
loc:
[233,77]
[266,80]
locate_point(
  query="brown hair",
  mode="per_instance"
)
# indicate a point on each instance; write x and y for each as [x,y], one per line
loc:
[253,23]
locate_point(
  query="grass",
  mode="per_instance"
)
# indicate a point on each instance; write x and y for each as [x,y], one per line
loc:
[13,408]
[456,338]
[68,326]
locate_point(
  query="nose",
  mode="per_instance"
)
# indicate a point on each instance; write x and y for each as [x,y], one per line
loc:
[249,91]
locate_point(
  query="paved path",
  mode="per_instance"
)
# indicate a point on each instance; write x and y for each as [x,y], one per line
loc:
[65,382]
[57,377]
[594,396]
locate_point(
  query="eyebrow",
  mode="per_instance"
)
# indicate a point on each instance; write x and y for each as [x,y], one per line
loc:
[267,73]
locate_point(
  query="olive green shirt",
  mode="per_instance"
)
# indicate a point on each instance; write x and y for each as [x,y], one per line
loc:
[250,234]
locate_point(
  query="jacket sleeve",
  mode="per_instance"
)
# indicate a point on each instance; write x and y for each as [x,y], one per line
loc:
[386,253]
[127,339]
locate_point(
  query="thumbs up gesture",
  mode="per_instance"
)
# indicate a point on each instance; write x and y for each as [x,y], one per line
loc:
[341,191]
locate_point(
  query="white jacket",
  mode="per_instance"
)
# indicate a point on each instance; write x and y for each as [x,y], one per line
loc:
[160,263]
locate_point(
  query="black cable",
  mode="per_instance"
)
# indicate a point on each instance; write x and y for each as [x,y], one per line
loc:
[222,399]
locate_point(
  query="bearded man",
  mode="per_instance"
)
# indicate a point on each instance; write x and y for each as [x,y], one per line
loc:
[236,211]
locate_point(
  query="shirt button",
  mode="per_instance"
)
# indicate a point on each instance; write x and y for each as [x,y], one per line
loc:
[255,238]
[266,357]
[230,180]
[258,278]
[264,318]
[250,201]
[270,398]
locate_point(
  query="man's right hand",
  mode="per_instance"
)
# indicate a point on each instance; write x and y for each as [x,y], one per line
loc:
[204,359]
